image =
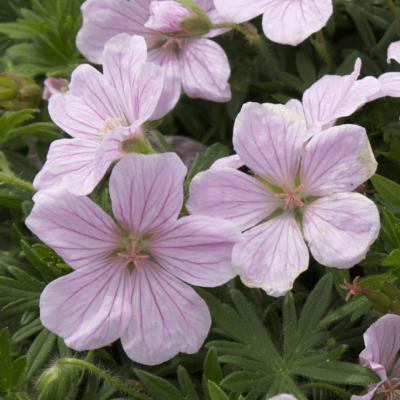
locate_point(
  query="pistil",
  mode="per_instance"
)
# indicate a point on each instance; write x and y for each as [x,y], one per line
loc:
[390,391]
[171,41]
[132,257]
[291,196]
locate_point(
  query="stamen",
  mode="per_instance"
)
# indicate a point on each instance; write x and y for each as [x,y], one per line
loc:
[353,288]
[109,125]
[173,40]
[387,389]
[132,257]
[291,196]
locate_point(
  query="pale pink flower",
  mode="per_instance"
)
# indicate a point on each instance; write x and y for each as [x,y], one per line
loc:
[382,344]
[129,277]
[284,21]
[300,192]
[335,96]
[54,85]
[103,113]
[197,64]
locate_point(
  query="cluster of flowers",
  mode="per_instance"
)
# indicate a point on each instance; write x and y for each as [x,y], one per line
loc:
[130,269]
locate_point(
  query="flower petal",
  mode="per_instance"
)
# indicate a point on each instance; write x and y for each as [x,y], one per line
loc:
[393,52]
[238,11]
[146,191]
[72,162]
[232,195]
[89,308]
[337,96]
[171,91]
[75,227]
[337,160]
[104,19]
[296,106]
[204,70]
[268,138]
[271,255]
[390,85]
[196,249]
[340,228]
[168,317]
[228,162]
[81,111]
[290,22]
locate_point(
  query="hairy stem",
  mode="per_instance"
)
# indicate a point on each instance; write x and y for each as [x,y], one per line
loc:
[7,177]
[326,386]
[394,10]
[320,45]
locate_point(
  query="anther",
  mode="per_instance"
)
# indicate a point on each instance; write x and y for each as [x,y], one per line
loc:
[109,125]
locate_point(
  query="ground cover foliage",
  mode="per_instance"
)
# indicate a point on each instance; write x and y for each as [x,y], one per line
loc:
[306,343]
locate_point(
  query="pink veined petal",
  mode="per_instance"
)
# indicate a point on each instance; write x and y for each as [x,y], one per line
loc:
[82,111]
[268,138]
[338,96]
[168,317]
[171,91]
[228,162]
[271,255]
[104,19]
[89,308]
[290,22]
[283,396]
[205,70]
[390,85]
[296,106]
[337,160]
[147,191]
[340,228]
[393,52]
[75,227]
[70,161]
[239,11]
[196,249]
[232,195]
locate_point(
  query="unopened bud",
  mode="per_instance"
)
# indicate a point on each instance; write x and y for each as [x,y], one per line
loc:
[54,85]
[18,91]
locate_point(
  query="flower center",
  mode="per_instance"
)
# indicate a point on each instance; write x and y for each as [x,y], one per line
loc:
[389,390]
[110,124]
[291,196]
[132,257]
[172,41]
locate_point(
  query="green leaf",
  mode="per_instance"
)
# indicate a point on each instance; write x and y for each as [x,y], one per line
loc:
[306,68]
[5,361]
[39,352]
[20,306]
[186,384]
[216,392]
[339,275]
[388,189]
[159,387]
[212,369]
[27,331]
[393,260]
[289,324]
[18,370]
[244,381]
[42,130]
[292,81]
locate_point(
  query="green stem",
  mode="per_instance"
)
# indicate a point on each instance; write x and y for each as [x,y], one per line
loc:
[320,45]
[87,366]
[253,37]
[327,387]
[14,180]
[394,10]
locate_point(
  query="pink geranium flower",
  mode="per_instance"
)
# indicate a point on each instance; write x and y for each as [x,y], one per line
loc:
[197,63]
[129,277]
[104,114]
[300,192]
[284,21]
[382,344]
[54,85]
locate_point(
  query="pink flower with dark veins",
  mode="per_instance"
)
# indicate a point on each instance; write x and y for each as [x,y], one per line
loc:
[129,277]
[54,85]
[284,21]
[188,58]
[105,115]
[382,344]
[301,191]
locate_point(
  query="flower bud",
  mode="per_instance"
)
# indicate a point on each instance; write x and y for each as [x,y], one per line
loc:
[54,85]
[18,91]
[182,18]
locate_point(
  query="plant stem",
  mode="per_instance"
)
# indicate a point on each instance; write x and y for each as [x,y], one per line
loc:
[14,180]
[253,37]
[87,366]
[320,45]
[394,10]
[326,386]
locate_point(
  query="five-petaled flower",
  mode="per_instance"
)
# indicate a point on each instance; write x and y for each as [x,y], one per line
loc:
[382,344]
[198,64]
[128,278]
[300,190]
[105,115]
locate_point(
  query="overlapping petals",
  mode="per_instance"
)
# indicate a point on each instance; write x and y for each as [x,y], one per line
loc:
[284,21]
[292,172]
[101,112]
[199,65]
[130,284]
